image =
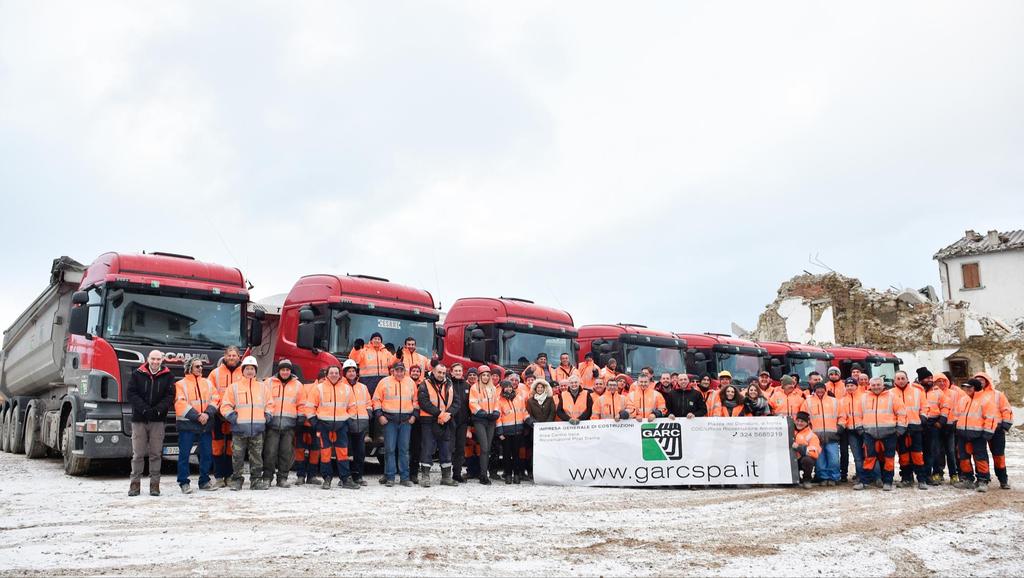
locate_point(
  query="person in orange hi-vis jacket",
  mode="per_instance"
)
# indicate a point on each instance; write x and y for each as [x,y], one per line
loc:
[395,407]
[284,393]
[977,419]
[227,372]
[849,437]
[910,446]
[588,371]
[374,360]
[329,408]
[787,399]
[997,445]
[823,410]
[881,420]
[195,406]
[806,447]
[244,404]
[642,402]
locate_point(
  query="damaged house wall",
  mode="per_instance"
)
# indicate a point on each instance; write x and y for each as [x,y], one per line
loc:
[832,309]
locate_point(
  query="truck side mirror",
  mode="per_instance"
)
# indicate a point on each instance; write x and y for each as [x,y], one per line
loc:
[699,357]
[78,321]
[475,351]
[306,336]
[306,315]
[477,335]
[776,362]
[80,298]
[440,331]
[255,332]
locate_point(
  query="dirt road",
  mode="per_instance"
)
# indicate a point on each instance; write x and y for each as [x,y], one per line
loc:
[53,524]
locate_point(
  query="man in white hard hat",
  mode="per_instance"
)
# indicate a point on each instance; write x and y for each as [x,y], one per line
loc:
[245,406]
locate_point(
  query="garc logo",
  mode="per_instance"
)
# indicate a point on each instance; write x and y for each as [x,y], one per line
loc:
[662,441]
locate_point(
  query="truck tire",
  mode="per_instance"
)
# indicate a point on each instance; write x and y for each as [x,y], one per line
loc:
[73,465]
[34,446]
[17,443]
[4,429]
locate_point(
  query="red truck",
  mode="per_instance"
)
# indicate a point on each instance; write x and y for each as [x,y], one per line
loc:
[789,357]
[713,352]
[323,316]
[634,347]
[872,361]
[67,358]
[507,332]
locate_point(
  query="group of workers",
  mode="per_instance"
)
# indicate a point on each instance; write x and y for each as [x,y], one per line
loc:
[477,418]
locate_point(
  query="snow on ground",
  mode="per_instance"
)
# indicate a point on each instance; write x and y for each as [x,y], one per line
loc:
[51,524]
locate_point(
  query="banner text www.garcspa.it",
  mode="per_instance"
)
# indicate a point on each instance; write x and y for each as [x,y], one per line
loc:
[681,473]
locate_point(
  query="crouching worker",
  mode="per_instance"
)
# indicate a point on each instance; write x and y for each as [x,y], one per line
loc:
[807,448]
[195,406]
[438,405]
[245,407]
[329,408]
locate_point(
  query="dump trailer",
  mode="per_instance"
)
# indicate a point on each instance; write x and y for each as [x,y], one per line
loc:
[68,357]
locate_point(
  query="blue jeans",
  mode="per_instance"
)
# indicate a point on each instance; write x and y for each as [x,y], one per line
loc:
[186,439]
[855,442]
[396,439]
[827,465]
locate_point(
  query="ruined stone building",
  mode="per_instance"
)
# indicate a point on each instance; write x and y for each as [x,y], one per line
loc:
[975,324]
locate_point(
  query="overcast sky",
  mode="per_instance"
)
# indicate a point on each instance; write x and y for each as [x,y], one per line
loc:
[659,163]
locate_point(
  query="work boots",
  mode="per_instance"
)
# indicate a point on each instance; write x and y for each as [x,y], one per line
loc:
[236,485]
[326,485]
[186,488]
[154,486]
[135,488]
[282,482]
[313,480]
[446,476]
[425,476]
[982,487]
[208,487]
[300,480]
[349,484]
[223,482]
[516,479]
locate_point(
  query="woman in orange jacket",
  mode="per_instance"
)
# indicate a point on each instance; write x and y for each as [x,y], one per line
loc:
[730,403]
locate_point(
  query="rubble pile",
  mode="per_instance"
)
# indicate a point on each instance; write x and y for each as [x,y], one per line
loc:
[898,321]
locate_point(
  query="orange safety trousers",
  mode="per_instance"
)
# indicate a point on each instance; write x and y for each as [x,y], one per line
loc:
[975,448]
[333,446]
[306,443]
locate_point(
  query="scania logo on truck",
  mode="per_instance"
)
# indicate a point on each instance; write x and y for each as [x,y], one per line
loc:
[172,357]
[389,324]
[662,441]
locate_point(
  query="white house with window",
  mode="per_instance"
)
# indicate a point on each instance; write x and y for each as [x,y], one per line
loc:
[986,271]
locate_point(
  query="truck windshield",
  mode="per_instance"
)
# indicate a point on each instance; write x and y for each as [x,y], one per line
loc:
[742,366]
[165,319]
[886,371]
[522,348]
[662,359]
[348,327]
[805,366]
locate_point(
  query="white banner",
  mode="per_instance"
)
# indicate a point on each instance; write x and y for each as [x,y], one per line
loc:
[694,452]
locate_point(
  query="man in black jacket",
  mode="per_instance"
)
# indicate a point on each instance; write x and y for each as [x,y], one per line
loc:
[151,393]
[461,391]
[684,400]
[438,406]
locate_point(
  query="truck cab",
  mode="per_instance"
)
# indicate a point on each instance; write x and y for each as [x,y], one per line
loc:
[873,362]
[324,315]
[68,358]
[713,352]
[789,357]
[634,347]
[507,332]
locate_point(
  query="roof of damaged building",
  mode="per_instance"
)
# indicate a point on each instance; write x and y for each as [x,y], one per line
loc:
[973,243]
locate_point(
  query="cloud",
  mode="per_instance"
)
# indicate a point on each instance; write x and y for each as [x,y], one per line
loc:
[663,163]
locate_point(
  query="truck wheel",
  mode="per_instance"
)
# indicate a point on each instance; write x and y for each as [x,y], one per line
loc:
[73,465]
[17,443]
[4,429]
[34,447]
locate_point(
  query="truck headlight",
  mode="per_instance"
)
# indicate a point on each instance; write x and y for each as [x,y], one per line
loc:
[95,425]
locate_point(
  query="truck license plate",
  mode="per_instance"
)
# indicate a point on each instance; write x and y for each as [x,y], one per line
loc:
[170,451]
